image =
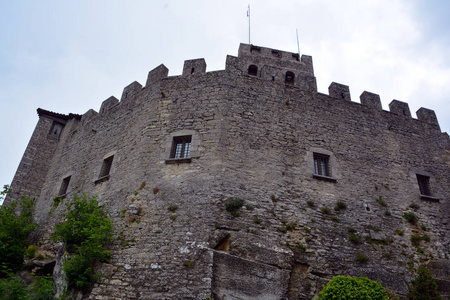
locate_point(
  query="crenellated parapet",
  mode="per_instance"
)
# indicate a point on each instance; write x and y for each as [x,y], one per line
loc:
[368,99]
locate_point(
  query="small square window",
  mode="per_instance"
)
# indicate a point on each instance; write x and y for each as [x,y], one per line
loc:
[106,167]
[64,186]
[181,147]
[56,129]
[424,184]
[321,165]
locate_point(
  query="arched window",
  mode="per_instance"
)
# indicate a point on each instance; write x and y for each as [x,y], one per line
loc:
[253,70]
[290,77]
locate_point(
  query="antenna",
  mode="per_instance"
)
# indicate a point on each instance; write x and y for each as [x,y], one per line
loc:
[298,45]
[248,15]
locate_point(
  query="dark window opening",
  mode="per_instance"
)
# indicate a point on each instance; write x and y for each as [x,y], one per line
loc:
[181,147]
[276,53]
[296,56]
[290,77]
[106,167]
[255,48]
[64,186]
[424,184]
[253,70]
[192,70]
[321,165]
[56,129]
[273,78]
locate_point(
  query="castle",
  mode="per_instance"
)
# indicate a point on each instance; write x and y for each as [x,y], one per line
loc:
[325,182]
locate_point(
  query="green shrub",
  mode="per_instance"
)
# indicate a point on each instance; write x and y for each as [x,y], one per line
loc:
[424,287]
[13,288]
[233,205]
[374,228]
[31,251]
[14,230]
[301,246]
[325,210]
[172,208]
[414,206]
[256,220]
[361,257]
[86,232]
[399,232]
[335,219]
[387,213]
[310,203]
[340,206]
[346,288]
[355,239]
[410,217]
[381,201]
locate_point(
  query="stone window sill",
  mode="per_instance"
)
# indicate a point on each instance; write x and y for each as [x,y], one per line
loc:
[101,179]
[427,197]
[325,178]
[178,160]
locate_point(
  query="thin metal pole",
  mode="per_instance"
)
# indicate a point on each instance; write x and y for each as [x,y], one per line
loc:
[248,15]
[298,45]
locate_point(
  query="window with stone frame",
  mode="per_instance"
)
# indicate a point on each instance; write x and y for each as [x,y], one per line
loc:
[64,186]
[322,165]
[181,147]
[106,166]
[56,130]
[253,70]
[290,77]
[424,184]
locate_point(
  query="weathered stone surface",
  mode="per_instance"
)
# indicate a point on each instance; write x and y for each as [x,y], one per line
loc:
[253,137]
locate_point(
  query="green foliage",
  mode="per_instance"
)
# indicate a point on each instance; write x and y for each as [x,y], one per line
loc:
[410,217]
[325,210]
[233,205]
[257,220]
[31,251]
[172,208]
[346,288]
[381,201]
[361,257]
[414,206]
[301,246]
[14,229]
[13,288]
[310,203]
[415,239]
[86,232]
[424,286]
[399,232]
[6,191]
[340,206]
[374,228]
[355,239]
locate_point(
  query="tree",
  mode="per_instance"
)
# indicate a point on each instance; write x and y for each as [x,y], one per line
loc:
[16,223]
[424,286]
[346,288]
[86,232]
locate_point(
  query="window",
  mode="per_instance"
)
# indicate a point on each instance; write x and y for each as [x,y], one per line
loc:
[290,77]
[64,186]
[56,129]
[106,167]
[321,165]
[253,70]
[424,184]
[181,147]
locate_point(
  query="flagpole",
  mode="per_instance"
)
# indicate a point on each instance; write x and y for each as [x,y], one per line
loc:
[248,15]
[298,44]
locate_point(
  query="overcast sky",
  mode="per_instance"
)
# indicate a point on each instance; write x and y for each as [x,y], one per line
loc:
[69,56]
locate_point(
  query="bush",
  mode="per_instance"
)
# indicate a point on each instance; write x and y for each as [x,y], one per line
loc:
[340,206]
[410,217]
[13,288]
[361,257]
[14,230]
[233,205]
[424,287]
[325,210]
[381,201]
[345,287]
[86,232]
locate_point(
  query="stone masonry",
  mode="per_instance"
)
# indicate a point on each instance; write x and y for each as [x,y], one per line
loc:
[325,183]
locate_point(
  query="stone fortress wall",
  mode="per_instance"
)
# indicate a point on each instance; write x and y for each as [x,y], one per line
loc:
[257,129]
